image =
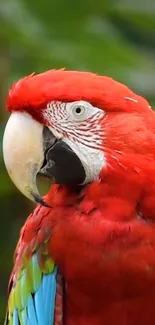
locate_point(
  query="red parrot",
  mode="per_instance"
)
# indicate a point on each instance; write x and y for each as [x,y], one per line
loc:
[86,254]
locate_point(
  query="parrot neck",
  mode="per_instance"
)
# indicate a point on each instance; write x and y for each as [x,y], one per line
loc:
[122,192]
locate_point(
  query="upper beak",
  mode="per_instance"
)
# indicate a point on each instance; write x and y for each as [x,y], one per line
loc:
[23,150]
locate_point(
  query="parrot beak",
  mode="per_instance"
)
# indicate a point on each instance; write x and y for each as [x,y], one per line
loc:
[31,149]
[23,150]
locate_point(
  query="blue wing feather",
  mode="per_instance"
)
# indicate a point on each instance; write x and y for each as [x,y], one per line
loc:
[49,282]
[41,307]
[15,317]
[31,312]
[37,306]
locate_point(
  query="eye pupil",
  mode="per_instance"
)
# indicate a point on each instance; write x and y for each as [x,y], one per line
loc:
[78,110]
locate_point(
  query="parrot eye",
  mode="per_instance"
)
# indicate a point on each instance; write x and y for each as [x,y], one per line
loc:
[78,110]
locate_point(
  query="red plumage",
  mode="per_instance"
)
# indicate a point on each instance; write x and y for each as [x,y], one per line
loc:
[103,238]
[32,93]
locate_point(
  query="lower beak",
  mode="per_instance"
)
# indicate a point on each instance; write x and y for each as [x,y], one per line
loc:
[24,146]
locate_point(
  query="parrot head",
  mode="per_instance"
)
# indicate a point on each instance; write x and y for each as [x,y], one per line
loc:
[72,126]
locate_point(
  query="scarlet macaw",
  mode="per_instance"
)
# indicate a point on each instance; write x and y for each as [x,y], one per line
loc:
[86,254]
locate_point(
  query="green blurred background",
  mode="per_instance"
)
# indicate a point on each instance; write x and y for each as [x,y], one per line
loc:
[113,37]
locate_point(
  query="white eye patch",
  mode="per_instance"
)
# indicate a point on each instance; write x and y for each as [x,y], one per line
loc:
[79,125]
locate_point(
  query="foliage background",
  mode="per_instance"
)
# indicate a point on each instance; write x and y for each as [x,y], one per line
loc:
[111,37]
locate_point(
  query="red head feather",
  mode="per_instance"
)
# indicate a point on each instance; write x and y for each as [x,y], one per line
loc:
[123,131]
[32,93]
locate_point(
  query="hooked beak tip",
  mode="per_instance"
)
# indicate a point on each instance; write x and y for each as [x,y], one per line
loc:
[22,156]
[39,199]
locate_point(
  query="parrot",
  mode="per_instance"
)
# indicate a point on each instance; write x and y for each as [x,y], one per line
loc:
[86,254]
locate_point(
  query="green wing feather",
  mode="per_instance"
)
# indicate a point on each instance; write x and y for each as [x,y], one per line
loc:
[33,289]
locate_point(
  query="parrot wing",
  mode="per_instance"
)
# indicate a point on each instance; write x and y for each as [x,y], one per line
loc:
[35,286]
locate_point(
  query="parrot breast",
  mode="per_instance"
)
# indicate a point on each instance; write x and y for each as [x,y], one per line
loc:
[108,266]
